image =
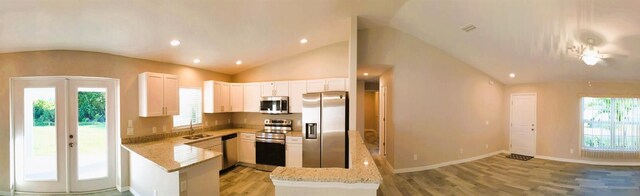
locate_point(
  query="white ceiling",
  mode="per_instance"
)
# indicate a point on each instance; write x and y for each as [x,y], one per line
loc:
[527,37]
[219,32]
[530,37]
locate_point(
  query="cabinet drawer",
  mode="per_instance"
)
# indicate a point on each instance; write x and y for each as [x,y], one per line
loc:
[248,136]
[294,140]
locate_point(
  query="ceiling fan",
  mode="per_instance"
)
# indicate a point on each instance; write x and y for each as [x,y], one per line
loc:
[588,53]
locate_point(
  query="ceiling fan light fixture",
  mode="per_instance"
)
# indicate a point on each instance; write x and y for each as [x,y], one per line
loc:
[590,57]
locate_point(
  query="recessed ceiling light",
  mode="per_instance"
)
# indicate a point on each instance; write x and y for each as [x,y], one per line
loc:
[304,41]
[175,42]
[238,62]
[366,74]
[512,75]
[197,60]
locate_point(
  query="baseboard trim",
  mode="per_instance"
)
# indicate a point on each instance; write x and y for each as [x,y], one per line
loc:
[606,163]
[434,166]
[123,188]
[133,192]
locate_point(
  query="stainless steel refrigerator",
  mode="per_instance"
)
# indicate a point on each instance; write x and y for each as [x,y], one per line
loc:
[325,120]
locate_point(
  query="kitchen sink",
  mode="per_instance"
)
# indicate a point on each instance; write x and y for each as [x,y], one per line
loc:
[195,137]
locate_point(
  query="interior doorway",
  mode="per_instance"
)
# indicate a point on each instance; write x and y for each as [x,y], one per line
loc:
[371,117]
[64,134]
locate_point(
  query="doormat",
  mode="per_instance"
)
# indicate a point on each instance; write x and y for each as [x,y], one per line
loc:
[519,157]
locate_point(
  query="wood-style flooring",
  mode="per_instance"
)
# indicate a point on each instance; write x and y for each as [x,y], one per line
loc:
[495,175]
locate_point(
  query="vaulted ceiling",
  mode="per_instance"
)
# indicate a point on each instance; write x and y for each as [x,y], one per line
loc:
[526,37]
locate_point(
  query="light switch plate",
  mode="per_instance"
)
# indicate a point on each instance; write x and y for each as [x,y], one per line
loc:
[153,130]
[164,128]
[130,123]
[216,123]
[183,186]
[129,131]
[229,121]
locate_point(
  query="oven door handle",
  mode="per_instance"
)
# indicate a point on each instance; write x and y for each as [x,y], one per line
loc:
[270,141]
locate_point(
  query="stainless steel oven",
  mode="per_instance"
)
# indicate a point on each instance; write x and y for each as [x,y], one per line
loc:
[274,105]
[270,144]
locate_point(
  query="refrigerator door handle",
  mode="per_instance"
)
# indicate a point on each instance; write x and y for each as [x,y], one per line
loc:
[312,131]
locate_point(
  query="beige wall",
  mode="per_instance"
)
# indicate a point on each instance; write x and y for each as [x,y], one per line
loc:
[325,62]
[558,113]
[360,107]
[370,110]
[78,63]
[437,104]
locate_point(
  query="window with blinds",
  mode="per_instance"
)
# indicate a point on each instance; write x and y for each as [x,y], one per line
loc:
[611,125]
[190,107]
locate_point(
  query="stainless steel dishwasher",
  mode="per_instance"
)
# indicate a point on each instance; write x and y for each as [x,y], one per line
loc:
[230,151]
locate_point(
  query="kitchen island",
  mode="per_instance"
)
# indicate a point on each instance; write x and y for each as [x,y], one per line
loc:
[361,178]
[174,166]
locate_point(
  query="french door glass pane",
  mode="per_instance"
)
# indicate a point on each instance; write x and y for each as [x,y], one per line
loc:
[92,134]
[40,135]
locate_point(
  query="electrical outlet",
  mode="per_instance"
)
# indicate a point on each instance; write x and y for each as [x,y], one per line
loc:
[215,123]
[298,122]
[130,123]
[228,121]
[129,131]
[461,150]
[206,123]
[245,121]
[183,186]
[571,151]
[153,129]
[486,146]
[415,157]
[164,128]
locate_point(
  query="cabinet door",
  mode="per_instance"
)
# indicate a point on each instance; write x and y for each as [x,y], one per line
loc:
[247,151]
[207,97]
[315,86]
[217,97]
[150,94]
[281,88]
[294,155]
[296,90]
[171,95]
[336,84]
[236,98]
[268,89]
[252,97]
[224,98]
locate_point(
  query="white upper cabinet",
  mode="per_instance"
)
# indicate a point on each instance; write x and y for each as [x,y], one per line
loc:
[236,97]
[315,86]
[158,94]
[331,84]
[216,97]
[275,89]
[296,90]
[251,97]
[336,84]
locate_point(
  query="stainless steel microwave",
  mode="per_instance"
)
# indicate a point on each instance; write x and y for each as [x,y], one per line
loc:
[274,105]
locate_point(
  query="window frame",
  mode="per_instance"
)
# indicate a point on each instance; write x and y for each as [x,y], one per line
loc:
[612,116]
[196,125]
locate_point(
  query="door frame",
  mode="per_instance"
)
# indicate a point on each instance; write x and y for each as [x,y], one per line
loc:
[117,135]
[535,119]
[382,121]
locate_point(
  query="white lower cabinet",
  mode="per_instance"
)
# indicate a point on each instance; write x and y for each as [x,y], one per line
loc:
[247,148]
[294,151]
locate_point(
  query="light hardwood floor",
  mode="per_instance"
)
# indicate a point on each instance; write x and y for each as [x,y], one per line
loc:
[494,175]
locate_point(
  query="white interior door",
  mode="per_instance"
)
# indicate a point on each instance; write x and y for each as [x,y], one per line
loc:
[91,135]
[523,124]
[382,122]
[39,124]
[64,134]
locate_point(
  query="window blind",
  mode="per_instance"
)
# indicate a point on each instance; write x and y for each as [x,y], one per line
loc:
[611,127]
[190,107]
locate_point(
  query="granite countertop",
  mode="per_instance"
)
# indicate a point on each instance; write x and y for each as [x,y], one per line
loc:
[362,170]
[294,134]
[174,153]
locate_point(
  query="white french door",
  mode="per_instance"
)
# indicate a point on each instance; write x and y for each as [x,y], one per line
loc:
[523,124]
[64,134]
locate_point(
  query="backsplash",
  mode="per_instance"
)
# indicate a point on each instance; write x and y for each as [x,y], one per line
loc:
[256,120]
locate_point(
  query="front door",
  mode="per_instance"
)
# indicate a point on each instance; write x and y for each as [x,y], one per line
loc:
[64,134]
[523,124]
